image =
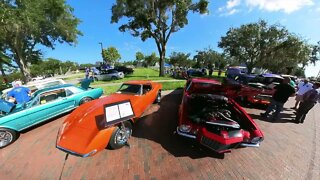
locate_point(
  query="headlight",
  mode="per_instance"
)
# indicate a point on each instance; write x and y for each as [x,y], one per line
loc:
[185,128]
[255,140]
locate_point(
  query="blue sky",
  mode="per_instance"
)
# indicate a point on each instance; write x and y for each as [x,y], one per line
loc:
[298,16]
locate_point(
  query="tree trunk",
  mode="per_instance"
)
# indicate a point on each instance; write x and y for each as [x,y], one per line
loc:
[162,58]
[23,68]
[5,78]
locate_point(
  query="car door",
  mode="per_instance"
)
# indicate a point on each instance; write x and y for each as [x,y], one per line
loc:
[49,104]
[147,96]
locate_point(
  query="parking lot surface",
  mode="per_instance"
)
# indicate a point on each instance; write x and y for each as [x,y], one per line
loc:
[289,151]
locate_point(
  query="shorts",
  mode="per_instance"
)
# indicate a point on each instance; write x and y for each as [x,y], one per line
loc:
[299,97]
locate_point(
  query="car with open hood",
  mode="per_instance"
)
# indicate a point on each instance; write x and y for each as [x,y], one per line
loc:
[209,115]
[43,105]
[108,121]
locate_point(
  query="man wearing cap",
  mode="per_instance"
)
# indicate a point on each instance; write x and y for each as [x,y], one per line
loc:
[310,99]
[303,87]
[19,94]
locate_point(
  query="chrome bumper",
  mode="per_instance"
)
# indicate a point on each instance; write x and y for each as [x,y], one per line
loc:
[250,145]
[76,154]
[185,134]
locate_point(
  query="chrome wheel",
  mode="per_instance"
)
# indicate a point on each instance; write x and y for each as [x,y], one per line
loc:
[86,99]
[6,137]
[123,135]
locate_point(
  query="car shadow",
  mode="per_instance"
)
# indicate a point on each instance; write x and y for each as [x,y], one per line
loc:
[283,118]
[160,127]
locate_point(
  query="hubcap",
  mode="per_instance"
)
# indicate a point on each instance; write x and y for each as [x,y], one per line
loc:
[123,135]
[5,138]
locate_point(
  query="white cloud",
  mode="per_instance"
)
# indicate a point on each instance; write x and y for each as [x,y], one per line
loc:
[233,3]
[229,8]
[288,6]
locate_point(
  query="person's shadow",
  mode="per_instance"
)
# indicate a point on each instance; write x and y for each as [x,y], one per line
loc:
[160,127]
[283,118]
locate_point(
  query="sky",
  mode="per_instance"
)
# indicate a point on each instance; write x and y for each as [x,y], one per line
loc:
[301,17]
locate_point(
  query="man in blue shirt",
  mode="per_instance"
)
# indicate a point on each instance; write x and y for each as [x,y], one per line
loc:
[19,94]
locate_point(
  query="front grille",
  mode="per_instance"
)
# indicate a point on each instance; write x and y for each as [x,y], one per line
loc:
[214,145]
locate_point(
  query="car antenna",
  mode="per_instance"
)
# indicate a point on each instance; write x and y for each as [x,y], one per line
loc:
[64,163]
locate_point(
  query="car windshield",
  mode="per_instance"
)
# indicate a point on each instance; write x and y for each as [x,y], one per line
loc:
[130,89]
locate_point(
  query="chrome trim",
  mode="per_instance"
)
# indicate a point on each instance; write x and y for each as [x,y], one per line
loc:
[250,145]
[226,125]
[185,134]
[76,154]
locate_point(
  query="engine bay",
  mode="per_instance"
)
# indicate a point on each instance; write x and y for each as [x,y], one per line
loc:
[212,110]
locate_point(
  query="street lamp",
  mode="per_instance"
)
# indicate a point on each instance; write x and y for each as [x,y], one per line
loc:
[101,46]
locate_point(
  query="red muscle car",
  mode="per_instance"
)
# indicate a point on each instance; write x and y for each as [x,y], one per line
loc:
[86,131]
[208,115]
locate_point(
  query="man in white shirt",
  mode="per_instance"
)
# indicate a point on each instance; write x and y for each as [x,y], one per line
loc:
[310,99]
[303,87]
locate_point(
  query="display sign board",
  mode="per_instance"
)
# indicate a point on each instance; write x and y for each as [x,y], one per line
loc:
[117,112]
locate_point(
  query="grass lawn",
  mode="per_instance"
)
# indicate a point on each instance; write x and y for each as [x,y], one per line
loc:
[165,86]
[138,74]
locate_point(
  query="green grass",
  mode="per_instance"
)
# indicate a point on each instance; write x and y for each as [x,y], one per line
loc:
[138,74]
[107,89]
[74,76]
[173,85]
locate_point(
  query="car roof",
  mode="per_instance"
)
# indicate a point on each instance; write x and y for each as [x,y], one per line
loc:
[205,80]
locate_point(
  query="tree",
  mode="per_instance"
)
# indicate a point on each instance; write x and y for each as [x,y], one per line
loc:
[110,55]
[26,24]
[151,59]
[156,19]
[5,64]
[315,54]
[209,58]
[139,57]
[261,45]
[179,59]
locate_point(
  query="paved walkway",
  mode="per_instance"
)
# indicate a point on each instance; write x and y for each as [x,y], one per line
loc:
[289,151]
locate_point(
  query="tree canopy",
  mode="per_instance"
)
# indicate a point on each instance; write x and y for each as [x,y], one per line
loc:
[180,59]
[111,55]
[269,46]
[25,24]
[156,19]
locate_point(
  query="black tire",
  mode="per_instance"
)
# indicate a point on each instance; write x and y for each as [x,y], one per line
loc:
[7,136]
[158,98]
[114,78]
[85,99]
[118,138]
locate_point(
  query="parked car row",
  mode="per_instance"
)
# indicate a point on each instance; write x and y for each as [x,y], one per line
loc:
[208,114]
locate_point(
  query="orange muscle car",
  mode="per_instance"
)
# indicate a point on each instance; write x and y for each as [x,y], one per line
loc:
[86,131]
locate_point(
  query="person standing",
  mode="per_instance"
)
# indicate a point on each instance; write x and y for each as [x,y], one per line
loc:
[19,94]
[87,72]
[280,97]
[303,87]
[310,98]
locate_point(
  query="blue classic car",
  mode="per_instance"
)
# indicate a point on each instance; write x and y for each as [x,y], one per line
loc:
[44,105]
